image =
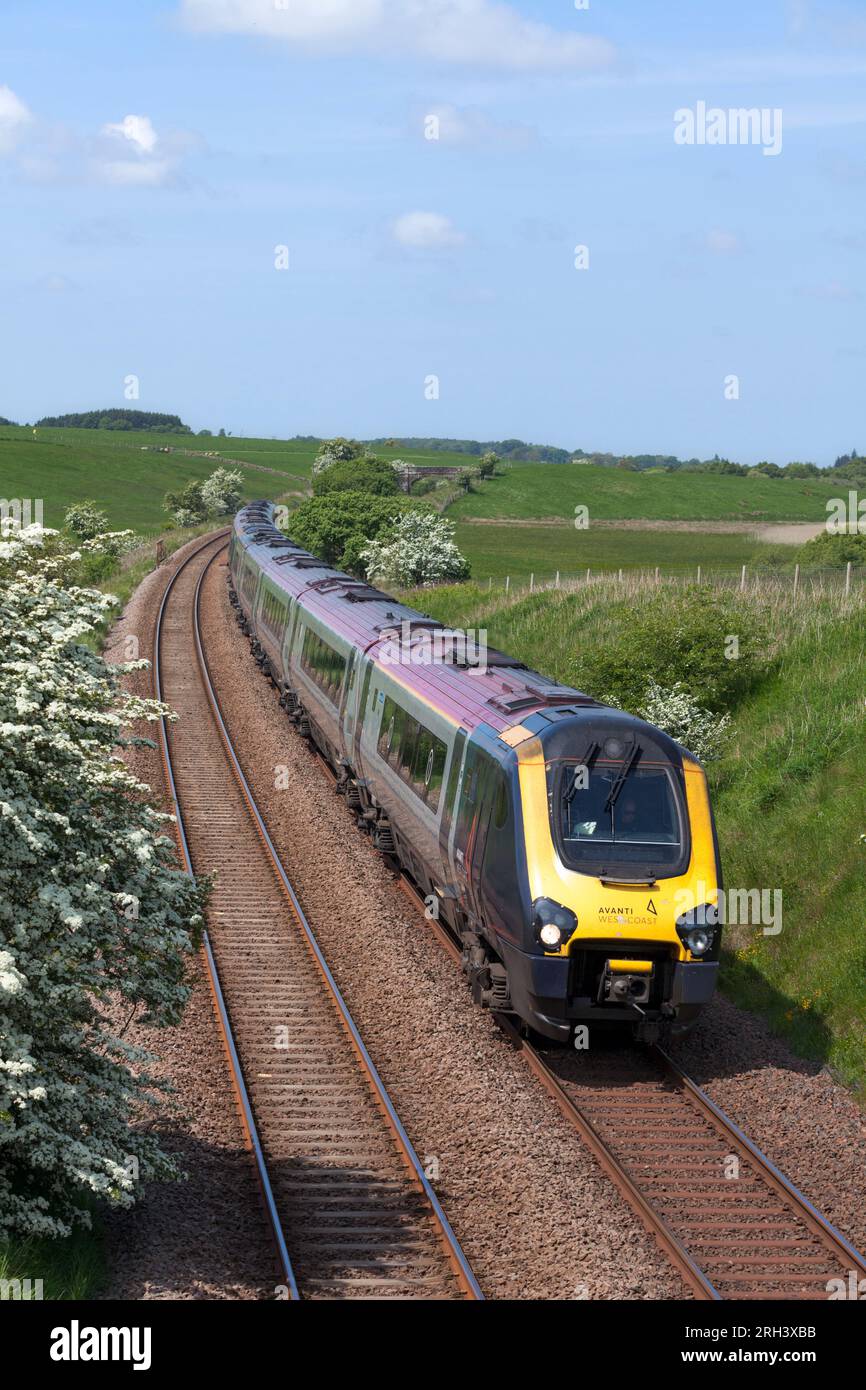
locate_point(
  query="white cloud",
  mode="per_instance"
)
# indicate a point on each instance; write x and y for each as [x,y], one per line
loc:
[138,130]
[483,32]
[426,231]
[468,125]
[722,243]
[14,116]
[130,154]
[149,173]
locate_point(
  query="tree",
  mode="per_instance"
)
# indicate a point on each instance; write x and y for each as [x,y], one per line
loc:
[416,548]
[222,492]
[369,474]
[218,495]
[487,466]
[338,527]
[92,906]
[337,450]
[187,506]
[85,520]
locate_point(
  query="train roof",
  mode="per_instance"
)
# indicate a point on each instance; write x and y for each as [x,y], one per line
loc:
[501,694]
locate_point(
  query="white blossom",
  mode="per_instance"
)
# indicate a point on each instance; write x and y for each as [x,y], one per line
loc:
[418,548]
[77,840]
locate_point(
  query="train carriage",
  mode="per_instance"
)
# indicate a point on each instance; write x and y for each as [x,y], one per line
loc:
[569,846]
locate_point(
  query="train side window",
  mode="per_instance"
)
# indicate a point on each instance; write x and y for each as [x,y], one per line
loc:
[453,779]
[435,772]
[422,755]
[386,728]
[408,739]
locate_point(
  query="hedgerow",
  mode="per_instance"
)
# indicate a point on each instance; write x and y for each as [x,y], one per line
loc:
[94,911]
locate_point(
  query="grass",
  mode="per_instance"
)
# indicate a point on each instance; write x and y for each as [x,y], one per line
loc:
[125,482]
[789,794]
[519,551]
[72,1268]
[554,490]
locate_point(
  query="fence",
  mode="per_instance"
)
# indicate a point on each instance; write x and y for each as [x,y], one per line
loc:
[795,580]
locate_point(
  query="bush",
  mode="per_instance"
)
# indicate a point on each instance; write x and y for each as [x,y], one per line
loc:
[369,474]
[92,906]
[678,638]
[337,450]
[418,548]
[218,494]
[833,552]
[338,527]
[222,492]
[679,715]
[187,506]
[85,520]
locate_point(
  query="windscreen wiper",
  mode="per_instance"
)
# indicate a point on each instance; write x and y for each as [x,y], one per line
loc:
[619,783]
[586,761]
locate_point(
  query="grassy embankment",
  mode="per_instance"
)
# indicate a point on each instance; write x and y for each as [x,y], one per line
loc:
[789,793]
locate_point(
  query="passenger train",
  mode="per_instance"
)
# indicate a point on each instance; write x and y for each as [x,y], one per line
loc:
[569,846]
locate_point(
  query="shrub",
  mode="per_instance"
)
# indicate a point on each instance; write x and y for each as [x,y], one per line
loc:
[833,552]
[187,506]
[337,450]
[369,474]
[678,638]
[92,906]
[222,491]
[418,548]
[85,520]
[676,712]
[338,527]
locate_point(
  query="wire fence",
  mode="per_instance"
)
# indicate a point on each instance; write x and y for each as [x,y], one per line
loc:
[795,580]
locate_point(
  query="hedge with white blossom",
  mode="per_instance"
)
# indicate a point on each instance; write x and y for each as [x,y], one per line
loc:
[93,908]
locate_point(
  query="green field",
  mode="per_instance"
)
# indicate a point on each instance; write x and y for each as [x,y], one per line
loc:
[555,489]
[790,794]
[519,551]
[129,483]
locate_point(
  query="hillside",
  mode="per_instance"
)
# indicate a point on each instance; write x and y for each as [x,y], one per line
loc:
[123,472]
[554,490]
[789,792]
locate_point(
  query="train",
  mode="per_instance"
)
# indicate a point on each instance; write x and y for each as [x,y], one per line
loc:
[569,847]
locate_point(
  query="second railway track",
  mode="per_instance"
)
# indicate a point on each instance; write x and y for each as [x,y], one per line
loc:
[352,1211]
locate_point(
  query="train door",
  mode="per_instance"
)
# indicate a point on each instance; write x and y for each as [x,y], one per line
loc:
[348,711]
[470,829]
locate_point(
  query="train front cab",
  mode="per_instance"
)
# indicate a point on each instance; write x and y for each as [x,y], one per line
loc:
[622,878]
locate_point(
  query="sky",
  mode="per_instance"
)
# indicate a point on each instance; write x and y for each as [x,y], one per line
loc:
[362,217]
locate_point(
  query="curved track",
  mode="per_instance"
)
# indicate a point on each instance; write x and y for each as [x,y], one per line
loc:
[351,1210]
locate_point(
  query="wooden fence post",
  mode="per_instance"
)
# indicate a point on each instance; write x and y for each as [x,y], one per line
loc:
[796,578]
[848,578]
[507,582]
[743,580]
[557,579]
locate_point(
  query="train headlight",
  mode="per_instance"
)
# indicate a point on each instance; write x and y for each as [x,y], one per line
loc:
[697,928]
[553,924]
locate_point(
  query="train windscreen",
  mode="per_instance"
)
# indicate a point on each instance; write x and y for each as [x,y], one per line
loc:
[618,815]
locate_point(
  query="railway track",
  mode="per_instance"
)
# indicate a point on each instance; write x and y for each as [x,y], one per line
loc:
[351,1210]
[732,1225]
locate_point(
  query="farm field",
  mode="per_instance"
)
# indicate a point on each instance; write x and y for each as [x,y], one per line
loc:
[66,466]
[555,489]
[519,551]
[791,812]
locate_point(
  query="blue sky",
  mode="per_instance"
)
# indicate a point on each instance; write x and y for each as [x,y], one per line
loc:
[153,156]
